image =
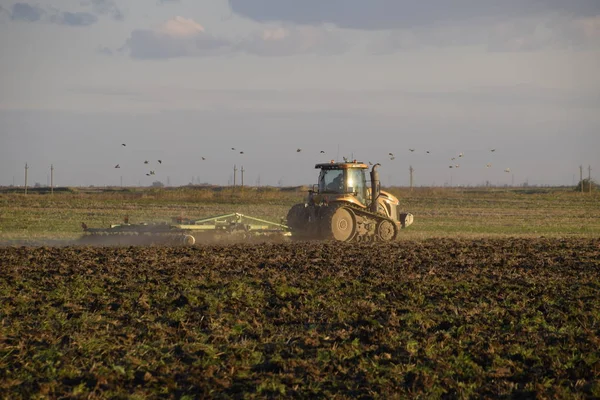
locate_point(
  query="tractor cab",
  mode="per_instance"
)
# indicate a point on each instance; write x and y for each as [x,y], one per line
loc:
[343,181]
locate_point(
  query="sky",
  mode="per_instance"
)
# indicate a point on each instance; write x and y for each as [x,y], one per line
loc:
[185,81]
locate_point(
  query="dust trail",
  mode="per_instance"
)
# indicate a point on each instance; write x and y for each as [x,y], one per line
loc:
[36,243]
[141,240]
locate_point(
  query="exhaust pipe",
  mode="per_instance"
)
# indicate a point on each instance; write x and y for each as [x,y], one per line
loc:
[375,187]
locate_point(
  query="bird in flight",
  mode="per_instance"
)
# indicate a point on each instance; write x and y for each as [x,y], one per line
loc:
[345,159]
[488,165]
[322,152]
[241,152]
[160,161]
[427,151]
[152,173]
[450,166]
[390,154]
[460,155]
[453,158]
[412,149]
[507,170]
[146,162]
[493,150]
[203,158]
[117,166]
[392,158]
[147,174]
[233,148]
[123,144]
[298,150]
[370,163]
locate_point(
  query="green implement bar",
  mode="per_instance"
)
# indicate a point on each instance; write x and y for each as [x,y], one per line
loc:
[228,220]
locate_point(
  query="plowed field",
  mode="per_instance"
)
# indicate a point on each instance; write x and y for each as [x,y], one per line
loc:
[510,317]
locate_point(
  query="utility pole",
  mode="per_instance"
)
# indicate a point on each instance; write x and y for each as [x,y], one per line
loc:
[411,170]
[26,168]
[590,178]
[581,177]
[234,174]
[242,170]
[121,181]
[51,179]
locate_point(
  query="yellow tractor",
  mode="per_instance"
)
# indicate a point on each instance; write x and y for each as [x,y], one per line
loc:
[343,207]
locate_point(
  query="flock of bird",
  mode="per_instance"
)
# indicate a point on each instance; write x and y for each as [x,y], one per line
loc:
[151,172]
[298,150]
[454,165]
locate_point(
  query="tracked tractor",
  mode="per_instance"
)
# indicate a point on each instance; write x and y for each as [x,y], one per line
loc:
[343,207]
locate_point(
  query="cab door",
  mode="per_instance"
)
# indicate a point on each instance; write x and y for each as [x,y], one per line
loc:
[356,183]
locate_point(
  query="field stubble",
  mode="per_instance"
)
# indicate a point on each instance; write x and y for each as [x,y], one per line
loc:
[438,212]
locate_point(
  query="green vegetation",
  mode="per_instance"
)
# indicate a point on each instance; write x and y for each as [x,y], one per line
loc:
[448,212]
[433,318]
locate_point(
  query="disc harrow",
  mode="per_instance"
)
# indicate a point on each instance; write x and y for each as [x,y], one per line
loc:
[233,227]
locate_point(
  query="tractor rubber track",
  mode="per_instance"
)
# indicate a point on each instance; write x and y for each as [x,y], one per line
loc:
[369,226]
[332,224]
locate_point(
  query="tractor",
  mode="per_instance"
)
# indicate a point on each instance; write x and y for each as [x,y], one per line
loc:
[343,207]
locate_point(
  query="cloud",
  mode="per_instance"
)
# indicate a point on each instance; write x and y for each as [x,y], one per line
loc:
[181,27]
[177,37]
[32,13]
[107,7]
[292,40]
[74,19]
[552,33]
[516,35]
[26,12]
[401,14]
[182,37]
[104,51]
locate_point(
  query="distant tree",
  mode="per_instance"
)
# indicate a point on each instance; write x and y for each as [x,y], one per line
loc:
[158,184]
[37,185]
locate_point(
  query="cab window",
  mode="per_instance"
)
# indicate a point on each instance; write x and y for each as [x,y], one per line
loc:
[357,183]
[331,180]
